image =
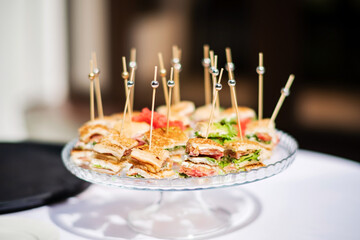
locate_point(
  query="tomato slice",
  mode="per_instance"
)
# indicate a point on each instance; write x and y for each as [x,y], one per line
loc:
[244,124]
[160,120]
[264,137]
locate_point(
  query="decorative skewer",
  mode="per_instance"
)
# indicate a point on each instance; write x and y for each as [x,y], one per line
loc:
[214,72]
[211,70]
[218,98]
[230,67]
[206,65]
[91,78]
[177,68]
[217,87]
[132,65]
[284,93]
[96,72]
[129,86]
[170,85]
[163,77]
[154,85]
[260,71]
[125,76]
[232,83]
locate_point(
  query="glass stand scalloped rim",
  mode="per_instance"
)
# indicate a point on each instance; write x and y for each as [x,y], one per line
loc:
[283,156]
[180,214]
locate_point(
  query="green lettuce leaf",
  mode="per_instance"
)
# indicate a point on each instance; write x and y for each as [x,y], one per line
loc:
[211,159]
[137,176]
[183,175]
[218,140]
[175,148]
[255,137]
[223,164]
[248,157]
[226,131]
[97,166]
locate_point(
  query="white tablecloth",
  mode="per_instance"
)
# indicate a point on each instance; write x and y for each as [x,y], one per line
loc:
[318,197]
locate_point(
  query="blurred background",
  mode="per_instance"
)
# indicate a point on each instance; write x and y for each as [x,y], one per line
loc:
[46,47]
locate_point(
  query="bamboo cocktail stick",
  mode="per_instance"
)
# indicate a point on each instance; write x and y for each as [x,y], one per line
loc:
[284,93]
[125,76]
[206,65]
[232,83]
[217,87]
[132,65]
[163,77]
[96,72]
[177,68]
[170,84]
[230,68]
[91,78]
[260,71]
[129,85]
[154,85]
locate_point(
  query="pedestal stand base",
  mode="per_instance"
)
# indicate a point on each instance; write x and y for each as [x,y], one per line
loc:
[191,215]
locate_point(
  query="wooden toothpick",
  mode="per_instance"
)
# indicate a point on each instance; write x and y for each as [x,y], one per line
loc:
[214,72]
[230,68]
[206,65]
[125,76]
[96,72]
[260,71]
[284,93]
[91,78]
[218,98]
[177,67]
[163,77]
[129,86]
[232,83]
[154,85]
[211,53]
[217,88]
[170,84]
[133,65]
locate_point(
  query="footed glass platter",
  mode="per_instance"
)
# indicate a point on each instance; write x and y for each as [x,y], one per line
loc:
[180,214]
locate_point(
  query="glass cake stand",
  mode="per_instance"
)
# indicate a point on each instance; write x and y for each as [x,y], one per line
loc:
[182,210]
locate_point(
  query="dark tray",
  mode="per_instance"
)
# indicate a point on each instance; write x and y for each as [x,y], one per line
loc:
[32,174]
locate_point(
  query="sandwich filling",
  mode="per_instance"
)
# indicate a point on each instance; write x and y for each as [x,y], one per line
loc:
[239,154]
[174,141]
[204,147]
[218,132]
[153,161]
[109,155]
[263,132]
[202,157]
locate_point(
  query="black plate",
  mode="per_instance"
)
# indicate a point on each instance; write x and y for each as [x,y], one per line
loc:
[32,174]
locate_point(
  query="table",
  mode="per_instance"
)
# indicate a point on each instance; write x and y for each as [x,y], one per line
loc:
[318,197]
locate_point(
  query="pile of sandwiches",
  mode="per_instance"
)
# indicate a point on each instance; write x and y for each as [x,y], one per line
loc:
[106,146]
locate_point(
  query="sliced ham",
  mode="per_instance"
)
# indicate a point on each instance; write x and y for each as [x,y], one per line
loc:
[197,170]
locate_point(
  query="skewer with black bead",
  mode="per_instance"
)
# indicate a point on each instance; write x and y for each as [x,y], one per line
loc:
[170,85]
[154,85]
[130,84]
[214,71]
[125,76]
[163,77]
[96,72]
[230,67]
[132,65]
[232,83]
[177,68]
[260,71]
[284,93]
[91,78]
[206,65]
[217,88]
